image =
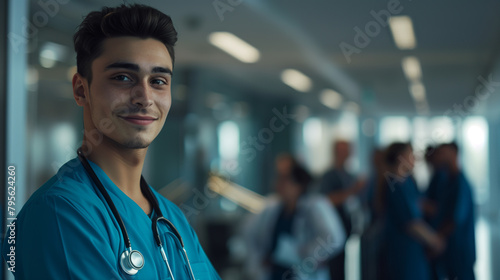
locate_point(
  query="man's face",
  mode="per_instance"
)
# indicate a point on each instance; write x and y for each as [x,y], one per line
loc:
[288,190]
[446,156]
[129,97]
[410,158]
[284,165]
[342,152]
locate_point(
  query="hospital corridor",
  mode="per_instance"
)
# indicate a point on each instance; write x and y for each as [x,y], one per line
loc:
[322,140]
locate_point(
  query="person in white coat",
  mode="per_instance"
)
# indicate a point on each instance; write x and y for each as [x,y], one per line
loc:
[297,232]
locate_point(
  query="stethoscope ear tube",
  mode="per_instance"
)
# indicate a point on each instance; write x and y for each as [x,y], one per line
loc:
[156,206]
[104,193]
[172,227]
[131,261]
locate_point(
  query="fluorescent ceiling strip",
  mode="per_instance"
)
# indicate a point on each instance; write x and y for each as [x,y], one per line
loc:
[411,68]
[330,98]
[296,80]
[402,32]
[417,91]
[234,46]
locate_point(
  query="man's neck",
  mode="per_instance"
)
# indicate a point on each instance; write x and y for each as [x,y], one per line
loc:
[123,166]
[454,168]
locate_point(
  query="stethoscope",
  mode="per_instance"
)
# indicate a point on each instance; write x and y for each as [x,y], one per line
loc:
[131,261]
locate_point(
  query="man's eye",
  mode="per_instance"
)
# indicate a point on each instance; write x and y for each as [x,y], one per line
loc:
[121,78]
[158,82]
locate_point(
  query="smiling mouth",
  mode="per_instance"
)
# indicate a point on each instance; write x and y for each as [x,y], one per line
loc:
[139,120]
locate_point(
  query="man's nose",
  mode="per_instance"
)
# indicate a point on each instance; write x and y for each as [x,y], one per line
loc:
[142,95]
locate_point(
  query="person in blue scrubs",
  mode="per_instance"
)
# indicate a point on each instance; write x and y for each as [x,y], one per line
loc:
[408,239]
[454,218]
[67,229]
[438,183]
[339,186]
[438,180]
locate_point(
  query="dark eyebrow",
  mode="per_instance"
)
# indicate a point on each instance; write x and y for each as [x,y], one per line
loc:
[135,67]
[159,69]
[126,65]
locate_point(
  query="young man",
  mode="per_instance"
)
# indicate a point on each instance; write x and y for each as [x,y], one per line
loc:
[97,218]
[454,217]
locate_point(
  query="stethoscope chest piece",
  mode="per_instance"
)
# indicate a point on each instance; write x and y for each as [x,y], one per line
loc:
[131,261]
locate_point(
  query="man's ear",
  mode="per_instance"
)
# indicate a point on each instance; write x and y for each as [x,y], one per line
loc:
[80,89]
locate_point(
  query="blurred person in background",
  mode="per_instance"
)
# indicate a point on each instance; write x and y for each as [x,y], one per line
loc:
[453,216]
[375,186]
[408,238]
[429,204]
[439,176]
[284,165]
[371,239]
[340,186]
[296,233]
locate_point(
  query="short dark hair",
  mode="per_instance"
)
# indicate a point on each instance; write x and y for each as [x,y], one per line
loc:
[134,20]
[300,176]
[429,153]
[394,151]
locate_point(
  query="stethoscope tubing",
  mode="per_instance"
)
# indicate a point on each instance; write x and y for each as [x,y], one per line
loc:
[156,208]
[106,196]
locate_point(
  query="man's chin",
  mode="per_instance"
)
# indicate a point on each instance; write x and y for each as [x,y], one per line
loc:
[135,144]
[130,143]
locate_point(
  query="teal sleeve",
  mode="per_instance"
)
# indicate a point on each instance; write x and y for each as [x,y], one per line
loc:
[203,268]
[57,240]
[462,205]
[404,199]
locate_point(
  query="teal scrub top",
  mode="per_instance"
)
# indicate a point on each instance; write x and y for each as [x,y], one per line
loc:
[405,255]
[66,231]
[455,204]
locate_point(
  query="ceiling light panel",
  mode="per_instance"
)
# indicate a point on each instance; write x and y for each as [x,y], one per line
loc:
[296,80]
[402,32]
[234,46]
